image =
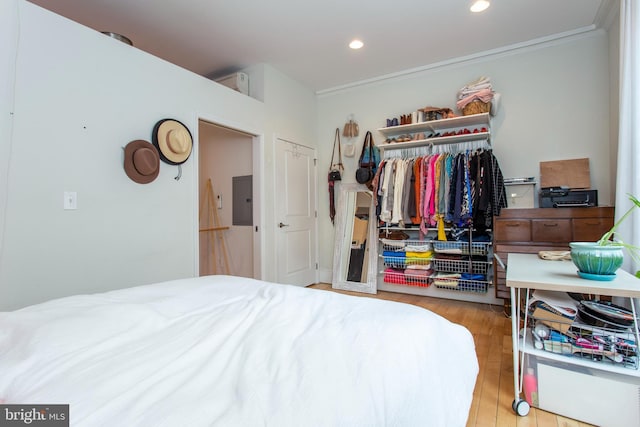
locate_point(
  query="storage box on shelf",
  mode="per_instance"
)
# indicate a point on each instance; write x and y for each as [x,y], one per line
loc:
[596,366]
[583,393]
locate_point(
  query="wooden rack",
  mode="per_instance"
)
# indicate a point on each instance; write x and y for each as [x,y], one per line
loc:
[214,230]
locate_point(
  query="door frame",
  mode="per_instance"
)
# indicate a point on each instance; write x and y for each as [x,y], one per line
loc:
[258,191]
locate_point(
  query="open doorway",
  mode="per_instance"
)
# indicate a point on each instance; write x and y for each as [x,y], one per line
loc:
[225,159]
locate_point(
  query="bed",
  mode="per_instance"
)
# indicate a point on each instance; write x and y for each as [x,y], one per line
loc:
[230,351]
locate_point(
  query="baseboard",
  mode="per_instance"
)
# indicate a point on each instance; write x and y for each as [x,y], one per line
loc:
[325,275]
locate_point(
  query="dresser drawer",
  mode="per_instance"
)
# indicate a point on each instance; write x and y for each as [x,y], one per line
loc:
[551,230]
[512,230]
[590,229]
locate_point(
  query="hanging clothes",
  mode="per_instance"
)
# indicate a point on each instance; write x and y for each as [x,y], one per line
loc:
[462,189]
[494,199]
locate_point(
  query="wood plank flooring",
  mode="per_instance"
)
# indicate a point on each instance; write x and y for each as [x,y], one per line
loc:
[491,330]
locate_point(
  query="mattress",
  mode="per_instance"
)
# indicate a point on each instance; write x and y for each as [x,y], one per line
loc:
[231,351]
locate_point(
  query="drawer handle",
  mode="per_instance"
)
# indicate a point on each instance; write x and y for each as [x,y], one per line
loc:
[513,225]
[593,223]
[550,225]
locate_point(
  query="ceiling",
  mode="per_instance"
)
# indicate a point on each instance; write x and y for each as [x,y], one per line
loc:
[307,39]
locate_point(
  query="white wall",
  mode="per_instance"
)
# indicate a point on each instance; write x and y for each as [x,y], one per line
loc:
[8,45]
[614,91]
[79,98]
[555,105]
[290,115]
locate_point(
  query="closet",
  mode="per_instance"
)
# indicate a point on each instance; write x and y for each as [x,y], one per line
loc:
[436,190]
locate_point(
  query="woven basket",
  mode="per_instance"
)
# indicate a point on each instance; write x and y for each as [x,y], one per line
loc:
[476,107]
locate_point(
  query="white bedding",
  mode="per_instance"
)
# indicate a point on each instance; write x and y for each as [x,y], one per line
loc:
[230,351]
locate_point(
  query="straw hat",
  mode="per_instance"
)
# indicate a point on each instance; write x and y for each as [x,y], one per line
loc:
[173,140]
[141,161]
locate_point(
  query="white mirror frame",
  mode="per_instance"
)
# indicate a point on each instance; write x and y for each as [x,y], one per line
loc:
[345,212]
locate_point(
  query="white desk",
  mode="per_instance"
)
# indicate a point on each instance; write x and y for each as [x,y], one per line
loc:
[528,271]
[532,272]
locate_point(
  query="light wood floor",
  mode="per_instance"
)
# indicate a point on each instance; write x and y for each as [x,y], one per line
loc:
[491,329]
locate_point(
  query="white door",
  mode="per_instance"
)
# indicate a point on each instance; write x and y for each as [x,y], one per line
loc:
[295,201]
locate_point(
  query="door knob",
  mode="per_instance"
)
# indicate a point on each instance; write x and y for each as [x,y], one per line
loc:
[283,225]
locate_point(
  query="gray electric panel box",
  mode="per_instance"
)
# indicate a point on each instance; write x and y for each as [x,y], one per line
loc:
[242,188]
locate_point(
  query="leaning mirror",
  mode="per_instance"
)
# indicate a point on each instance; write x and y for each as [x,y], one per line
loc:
[355,250]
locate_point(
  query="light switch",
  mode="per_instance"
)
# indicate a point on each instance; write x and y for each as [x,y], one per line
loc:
[70,200]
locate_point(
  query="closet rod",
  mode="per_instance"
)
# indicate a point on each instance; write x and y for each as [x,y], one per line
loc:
[424,150]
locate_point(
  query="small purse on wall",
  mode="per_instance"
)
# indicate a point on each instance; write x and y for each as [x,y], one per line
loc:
[335,174]
[368,162]
[336,169]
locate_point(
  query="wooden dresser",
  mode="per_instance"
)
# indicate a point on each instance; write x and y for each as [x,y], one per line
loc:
[540,229]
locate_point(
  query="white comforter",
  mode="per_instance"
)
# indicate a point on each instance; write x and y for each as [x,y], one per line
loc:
[230,351]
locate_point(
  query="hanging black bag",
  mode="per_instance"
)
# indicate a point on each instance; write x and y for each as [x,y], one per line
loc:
[368,161]
[335,174]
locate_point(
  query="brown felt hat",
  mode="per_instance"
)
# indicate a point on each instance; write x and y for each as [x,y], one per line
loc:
[173,140]
[141,161]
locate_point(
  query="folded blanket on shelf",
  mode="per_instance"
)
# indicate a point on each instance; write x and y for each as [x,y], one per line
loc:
[418,277]
[453,247]
[450,280]
[417,274]
[395,276]
[422,255]
[414,247]
[394,259]
[396,255]
[484,95]
[473,276]
[474,86]
[389,243]
[425,266]
[418,257]
[446,256]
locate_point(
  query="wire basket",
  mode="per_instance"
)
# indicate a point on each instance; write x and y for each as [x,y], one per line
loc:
[460,266]
[394,261]
[408,277]
[457,247]
[401,253]
[476,107]
[406,245]
[454,283]
[575,339]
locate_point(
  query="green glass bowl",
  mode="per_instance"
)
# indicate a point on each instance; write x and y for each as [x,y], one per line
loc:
[592,258]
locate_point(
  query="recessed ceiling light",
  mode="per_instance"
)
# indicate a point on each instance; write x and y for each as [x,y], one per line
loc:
[479,5]
[356,44]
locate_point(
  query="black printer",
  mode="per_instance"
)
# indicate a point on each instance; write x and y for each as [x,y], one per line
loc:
[564,197]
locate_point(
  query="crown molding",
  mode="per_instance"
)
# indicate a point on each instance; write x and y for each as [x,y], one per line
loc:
[608,12]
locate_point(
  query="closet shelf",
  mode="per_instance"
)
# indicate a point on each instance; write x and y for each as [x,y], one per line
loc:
[414,227]
[481,120]
[441,140]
